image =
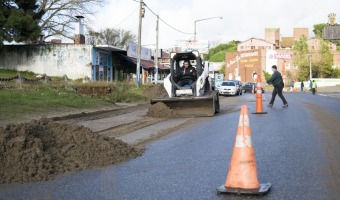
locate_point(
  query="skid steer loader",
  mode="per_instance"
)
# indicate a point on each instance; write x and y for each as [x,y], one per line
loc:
[197,99]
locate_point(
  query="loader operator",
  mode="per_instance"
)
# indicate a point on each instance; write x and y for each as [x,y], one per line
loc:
[187,74]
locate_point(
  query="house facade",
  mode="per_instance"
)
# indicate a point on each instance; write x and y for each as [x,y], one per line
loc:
[254,43]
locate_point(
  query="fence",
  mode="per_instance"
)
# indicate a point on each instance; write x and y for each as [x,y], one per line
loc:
[19,80]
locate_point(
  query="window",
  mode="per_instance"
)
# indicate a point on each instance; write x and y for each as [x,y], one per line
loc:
[228,84]
[252,47]
[242,47]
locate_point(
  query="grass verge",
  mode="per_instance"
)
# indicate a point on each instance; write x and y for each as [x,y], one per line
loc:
[42,99]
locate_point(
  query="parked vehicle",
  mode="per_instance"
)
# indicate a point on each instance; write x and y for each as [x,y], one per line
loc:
[247,87]
[228,88]
[239,86]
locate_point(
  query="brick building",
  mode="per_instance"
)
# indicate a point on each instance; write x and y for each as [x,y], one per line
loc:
[300,32]
[272,35]
[256,55]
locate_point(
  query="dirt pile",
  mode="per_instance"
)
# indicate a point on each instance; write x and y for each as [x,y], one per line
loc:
[160,110]
[42,149]
[156,91]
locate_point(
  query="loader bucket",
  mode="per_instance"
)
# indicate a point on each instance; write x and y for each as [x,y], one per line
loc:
[192,106]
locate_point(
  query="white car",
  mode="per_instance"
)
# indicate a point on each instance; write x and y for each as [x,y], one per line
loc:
[228,88]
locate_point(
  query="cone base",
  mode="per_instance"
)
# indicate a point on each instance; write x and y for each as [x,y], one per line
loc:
[264,188]
[259,113]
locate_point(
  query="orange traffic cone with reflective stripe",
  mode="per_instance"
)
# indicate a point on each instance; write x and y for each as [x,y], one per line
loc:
[259,107]
[242,173]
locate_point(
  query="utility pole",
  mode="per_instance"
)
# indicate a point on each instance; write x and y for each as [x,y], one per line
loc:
[141,15]
[156,53]
[310,69]
[310,66]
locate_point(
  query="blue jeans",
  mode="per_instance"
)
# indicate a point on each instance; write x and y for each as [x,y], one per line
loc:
[182,83]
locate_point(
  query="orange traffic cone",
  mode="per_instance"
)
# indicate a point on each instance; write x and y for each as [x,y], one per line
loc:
[259,107]
[242,173]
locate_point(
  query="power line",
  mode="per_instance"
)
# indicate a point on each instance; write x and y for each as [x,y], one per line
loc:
[127,17]
[166,22]
[163,20]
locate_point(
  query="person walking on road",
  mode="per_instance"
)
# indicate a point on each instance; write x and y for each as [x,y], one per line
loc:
[314,86]
[291,86]
[310,85]
[278,84]
[302,85]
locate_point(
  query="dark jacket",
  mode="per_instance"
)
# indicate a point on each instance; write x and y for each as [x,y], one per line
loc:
[302,84]
[188,73]
[276,79]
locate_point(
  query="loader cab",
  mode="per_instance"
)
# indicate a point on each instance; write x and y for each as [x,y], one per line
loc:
[176,65]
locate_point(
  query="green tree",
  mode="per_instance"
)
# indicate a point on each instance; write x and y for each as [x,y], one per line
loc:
[323,66]
[267,76]
[18,22]
[217,54]
[222,70]
[301,58]
[318,31]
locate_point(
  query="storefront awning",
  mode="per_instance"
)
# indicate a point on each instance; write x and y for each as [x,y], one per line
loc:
[146,64]
[108,48]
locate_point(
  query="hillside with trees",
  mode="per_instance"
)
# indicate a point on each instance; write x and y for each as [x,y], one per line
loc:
[217,54]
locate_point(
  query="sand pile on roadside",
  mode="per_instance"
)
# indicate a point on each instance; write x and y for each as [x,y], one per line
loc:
[156,92]
[42,149]
[160,110]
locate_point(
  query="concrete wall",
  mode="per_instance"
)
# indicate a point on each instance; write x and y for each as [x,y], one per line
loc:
[323,82]
[71,60]
[320,82]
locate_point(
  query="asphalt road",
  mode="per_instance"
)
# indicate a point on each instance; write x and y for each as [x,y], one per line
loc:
[297,150]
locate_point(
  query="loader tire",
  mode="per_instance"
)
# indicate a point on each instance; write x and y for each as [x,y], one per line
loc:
[217,103]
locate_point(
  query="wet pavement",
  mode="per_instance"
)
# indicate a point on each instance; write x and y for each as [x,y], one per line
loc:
[291,146]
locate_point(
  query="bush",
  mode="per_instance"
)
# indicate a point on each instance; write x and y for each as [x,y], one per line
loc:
[126,92]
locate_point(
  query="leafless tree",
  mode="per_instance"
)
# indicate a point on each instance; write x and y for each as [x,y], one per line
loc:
[114,37]
[57,17]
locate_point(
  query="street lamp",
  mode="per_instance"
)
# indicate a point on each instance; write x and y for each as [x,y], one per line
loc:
[203,20]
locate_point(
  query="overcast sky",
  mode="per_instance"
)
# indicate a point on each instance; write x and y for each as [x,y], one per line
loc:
[242,19]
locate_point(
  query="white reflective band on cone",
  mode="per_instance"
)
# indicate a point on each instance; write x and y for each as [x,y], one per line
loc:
[246,120]
[258,84]
[243,121]
[243,141]
[240,121]
[259,91]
